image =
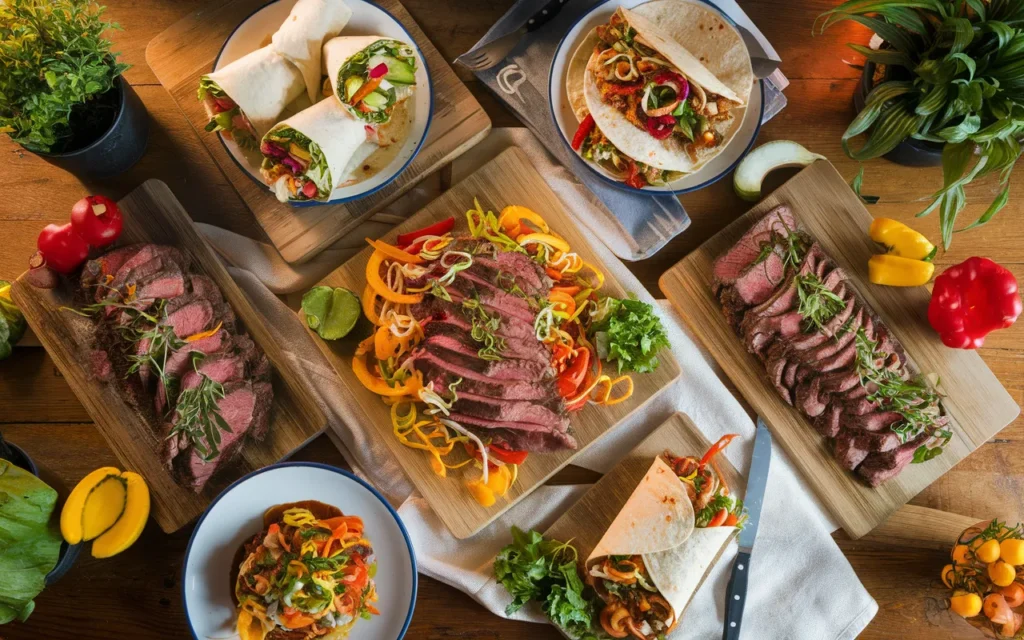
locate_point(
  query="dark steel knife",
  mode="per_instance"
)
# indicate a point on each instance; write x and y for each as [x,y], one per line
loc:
[736,593]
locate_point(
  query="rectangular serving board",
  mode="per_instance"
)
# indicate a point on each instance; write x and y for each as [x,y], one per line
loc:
[508,179]
[587,520]
[976,402]
[188,49]
[153,214]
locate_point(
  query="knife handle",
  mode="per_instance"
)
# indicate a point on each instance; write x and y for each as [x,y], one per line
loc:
[736,596]
[545,15]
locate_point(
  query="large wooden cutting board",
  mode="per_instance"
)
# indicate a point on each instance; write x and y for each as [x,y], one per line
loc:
[977,404]
[187,50]
[152,214]
[508,179]
[587,520]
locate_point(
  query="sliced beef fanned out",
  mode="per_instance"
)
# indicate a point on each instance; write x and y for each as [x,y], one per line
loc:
[237,409]
[462,343]
[729,267]
[879,467]
[501,410]
[487,369]
[442,376]
[519,436]
[98,270]
[149,260]
[440,312]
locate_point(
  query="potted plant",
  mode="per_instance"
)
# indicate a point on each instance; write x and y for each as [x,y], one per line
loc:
[62,93]
[954,77]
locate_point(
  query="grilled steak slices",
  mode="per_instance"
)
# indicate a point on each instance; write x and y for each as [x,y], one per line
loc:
[798,313]
[193,347]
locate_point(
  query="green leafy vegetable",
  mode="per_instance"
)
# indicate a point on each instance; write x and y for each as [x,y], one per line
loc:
[629,333]
[331,312]
[56,67]
[532,568]
[29,541]
[12,322]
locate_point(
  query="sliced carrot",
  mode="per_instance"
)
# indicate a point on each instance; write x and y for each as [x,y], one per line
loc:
[365,90]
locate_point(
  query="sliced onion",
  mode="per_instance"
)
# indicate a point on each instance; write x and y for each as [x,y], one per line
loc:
[479,444]
[701,96]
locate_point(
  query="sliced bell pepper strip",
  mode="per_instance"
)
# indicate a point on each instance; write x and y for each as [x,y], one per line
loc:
[572,378]
[377,385]
[572,290]
[901,240]
[508,456]
[512,215]
[582,132]
[374,280]
[394,252]
[369,301]
[716,448]
[436,229]
[895,271]
[972,299]
[563,301]
[544,238]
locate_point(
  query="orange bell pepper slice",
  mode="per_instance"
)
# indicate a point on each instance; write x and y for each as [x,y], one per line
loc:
[378,386]
[394,252]
[377,284]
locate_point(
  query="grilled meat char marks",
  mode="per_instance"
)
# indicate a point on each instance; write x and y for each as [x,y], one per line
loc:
[159,279]
[509,398]
[815,367]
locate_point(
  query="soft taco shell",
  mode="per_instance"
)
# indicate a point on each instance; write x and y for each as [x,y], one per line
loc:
[679,571]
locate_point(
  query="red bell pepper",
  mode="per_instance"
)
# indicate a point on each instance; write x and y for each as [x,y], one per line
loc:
[570,380]
[634,178]
[97,220]
[499,452]
[436,229]
[666,77]
[660,127]
[972,299]
[716,448]
[583,131]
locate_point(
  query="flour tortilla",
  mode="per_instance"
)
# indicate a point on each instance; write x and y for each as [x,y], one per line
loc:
[663,24]
[337,52]
[262,84]
[339,135]
[657,522]
[301,36]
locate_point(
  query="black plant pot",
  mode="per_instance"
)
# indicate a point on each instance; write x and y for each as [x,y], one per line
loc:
[115,151]
[910,152]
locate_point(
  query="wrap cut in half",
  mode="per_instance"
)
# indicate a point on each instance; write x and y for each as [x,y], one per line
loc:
[370,75]
[311,153]
[301,36]
[665,105]
[652,558]
[244,98]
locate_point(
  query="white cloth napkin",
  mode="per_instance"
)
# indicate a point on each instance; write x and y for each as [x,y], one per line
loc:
[801,585]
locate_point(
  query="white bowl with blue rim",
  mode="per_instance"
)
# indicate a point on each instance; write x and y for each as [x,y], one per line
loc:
[388,162]
[237,515]
[566,122]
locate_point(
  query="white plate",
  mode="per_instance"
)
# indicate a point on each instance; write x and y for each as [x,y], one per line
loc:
[566,122]
[255,31]
[237,515]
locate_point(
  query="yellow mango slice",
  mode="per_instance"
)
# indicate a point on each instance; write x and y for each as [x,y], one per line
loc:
[129,526]
[71,514]
[104,506]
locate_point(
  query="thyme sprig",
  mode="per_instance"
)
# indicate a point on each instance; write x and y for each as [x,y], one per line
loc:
[199,418]
[818,304]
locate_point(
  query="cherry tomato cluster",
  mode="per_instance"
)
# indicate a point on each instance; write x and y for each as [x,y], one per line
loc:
[95,222]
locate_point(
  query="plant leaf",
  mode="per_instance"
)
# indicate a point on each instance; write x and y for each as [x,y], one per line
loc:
[856,183]
[958,133]
[952,203]
[895,124]
[993,209]
[899,38]
[934,100]
[883,56]
[969,64]
[960,30]
[978,7]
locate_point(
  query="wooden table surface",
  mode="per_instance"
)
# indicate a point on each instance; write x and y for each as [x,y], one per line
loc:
[138,594]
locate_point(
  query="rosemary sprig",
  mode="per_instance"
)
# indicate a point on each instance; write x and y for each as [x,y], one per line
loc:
[199,418]
[818,304]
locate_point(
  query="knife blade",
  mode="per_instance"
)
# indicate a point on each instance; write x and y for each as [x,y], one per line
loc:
[736,592]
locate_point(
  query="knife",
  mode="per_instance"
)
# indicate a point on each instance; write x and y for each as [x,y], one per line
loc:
[736,592]
[761,62]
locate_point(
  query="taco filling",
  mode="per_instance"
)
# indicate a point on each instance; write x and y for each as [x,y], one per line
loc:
[226,115]
[634,607]
[653,94]
[306,577]
[294,166]
[376,78]
[713,503]
[595,147]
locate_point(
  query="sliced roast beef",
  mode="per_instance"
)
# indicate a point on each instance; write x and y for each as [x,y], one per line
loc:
[264,393]
[519,436]
[433,310]
[149,260]
[236,408]
[190,319]
[879,467]
[99,270]
[730,266]
[500,369]
[442,377]
[464,344]
[875,421]
[500,410]
[785,297]
[847,453]
[767,329]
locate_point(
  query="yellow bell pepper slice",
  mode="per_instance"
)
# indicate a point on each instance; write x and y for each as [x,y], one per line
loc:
[896,271]
[900,240]
[544,238]
[512,215]
[369,301]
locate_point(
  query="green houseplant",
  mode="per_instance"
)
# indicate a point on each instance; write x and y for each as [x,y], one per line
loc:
[62,90]
[954,76]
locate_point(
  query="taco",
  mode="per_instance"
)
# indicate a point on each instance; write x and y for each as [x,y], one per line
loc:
[654,556]
[308,574]
[658,110]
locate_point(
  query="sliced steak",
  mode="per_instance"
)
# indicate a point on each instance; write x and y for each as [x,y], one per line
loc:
[434,310]
[98,270]
[236,408]
[190,319]
[455,340]
[847,452]
[500,369]
[148,260]
[829,422]
[166,283]
[733,263]
[518,436]
[879,467]
[500,410]
[763,332]
[220,368]
[876,421]
[442,377]
[264,393]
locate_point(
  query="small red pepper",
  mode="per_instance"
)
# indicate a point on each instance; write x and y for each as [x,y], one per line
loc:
[716,448]
[660,127]
[570,380]
[436,229]
[634,178]
[972,299]
[582,132]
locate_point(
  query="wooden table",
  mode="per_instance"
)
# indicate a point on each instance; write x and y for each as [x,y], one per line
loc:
[138,594]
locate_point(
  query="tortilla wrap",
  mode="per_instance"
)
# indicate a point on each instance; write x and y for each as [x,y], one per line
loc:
[657,522]
[301,36]
[338,135]
[720,47]
[337,52]
[262,84]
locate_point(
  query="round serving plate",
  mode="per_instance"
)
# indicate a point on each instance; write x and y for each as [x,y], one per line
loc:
[256,30]
[237,515]
[566,122]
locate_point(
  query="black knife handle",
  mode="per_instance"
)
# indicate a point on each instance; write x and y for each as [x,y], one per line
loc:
[736,597]
[543,16]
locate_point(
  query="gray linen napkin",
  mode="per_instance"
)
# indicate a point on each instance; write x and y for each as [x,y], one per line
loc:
[643,223]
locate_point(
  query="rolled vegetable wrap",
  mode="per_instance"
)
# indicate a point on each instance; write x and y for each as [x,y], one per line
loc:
[301,36]
[370,75]
[306,156]
[245,98]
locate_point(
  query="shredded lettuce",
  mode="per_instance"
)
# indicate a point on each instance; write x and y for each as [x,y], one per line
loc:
[629,333]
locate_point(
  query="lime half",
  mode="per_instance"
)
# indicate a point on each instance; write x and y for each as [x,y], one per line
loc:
[331,312]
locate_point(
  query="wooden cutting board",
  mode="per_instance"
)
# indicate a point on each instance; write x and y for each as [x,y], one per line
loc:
[976,402]
[152,214]
[508,179]
[587,520]
[187,50]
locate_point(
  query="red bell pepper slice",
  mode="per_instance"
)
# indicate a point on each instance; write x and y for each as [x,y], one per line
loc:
[436,229]
[972,299]
[660,127]
[499,452]
[583,131]
[716,448]
[634,178]
[570,380]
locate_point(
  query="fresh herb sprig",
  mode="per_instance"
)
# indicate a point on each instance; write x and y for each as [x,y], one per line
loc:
[818,304]
[199,418]
[629,333]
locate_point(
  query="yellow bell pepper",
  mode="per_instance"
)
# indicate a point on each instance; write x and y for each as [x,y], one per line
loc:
[512,215]
[900,240]
[544,238]
[374,280]
[895,271]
